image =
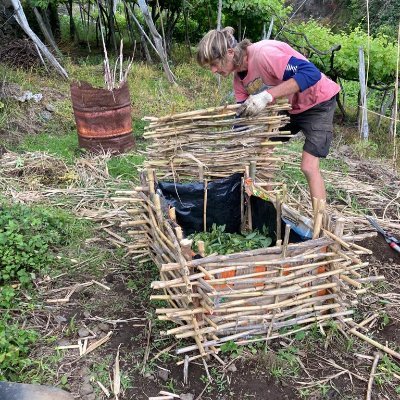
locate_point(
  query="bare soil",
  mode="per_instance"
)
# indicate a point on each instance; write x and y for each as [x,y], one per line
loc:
[329,366]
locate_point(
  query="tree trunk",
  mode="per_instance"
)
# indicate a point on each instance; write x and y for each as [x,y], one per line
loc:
[49,38]
[22,21]
[145,48]
[71,21]
[363,123]
[219,15]
[143,35]
[157,41]
[111,25]
[187,39]
[54,20]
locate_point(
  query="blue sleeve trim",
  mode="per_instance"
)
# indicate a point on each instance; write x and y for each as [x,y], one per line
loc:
[304,72]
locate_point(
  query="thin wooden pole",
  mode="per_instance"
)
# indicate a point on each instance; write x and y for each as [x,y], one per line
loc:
[363,124]
[205,205]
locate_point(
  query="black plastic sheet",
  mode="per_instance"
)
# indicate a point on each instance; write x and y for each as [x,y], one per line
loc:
[223,203]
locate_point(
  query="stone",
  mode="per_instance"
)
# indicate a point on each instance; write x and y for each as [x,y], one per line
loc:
[344,149]
[86,388]
[26,96]
[50,107]
[96,330]
[104,327]
[90,396]
[60,319]
[85,371]
[23,391]
[83,332]
[163,374]
[186,396]
[150,376]
[86,314]
[232,368]
[46,115]
[63,342]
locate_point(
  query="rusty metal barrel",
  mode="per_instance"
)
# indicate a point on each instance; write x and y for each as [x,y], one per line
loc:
[103,117]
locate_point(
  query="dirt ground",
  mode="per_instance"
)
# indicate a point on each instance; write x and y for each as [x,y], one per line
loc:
[326,365]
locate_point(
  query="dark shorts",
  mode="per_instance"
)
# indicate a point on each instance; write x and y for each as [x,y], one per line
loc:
[317,126]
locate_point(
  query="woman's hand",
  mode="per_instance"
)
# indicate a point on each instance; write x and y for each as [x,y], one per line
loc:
[255,104]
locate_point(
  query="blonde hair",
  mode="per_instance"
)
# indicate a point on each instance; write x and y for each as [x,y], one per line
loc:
[215,44]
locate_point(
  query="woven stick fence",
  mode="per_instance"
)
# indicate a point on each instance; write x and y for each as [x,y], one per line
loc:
[254,295]
[212,143]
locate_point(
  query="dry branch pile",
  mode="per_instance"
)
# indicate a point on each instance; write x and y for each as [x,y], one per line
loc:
[20,53]
[377,194]
[250,296]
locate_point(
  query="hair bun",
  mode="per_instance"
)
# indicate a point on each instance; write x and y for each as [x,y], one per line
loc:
[228,30]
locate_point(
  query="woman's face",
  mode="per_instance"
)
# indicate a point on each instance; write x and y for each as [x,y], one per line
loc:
[224,66]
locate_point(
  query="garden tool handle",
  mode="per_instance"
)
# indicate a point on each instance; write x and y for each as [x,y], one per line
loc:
[395,246]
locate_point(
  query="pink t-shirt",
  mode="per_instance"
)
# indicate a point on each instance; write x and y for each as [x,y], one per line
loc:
[267,61]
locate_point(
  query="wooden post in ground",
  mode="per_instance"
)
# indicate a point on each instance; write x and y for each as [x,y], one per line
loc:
[363,121]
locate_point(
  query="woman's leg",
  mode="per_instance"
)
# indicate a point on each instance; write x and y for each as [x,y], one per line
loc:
[310,168]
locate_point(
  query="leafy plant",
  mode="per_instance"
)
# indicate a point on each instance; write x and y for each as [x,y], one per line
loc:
[221,242]
[289,356]
[7,296]
[27,237]
[14,348]
[387,369]
[231,348]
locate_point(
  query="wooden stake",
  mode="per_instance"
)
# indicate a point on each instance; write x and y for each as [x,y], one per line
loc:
[372,375]
[205,207]
[375,343]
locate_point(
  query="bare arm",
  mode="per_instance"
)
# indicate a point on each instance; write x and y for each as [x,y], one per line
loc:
[284,89]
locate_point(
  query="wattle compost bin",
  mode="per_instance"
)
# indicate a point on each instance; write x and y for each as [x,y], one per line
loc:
[208,168]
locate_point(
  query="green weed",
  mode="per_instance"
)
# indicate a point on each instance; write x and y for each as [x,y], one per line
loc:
[232,349]
[219,381]
[27,237]
[14,348]
[384,320]
[386,370]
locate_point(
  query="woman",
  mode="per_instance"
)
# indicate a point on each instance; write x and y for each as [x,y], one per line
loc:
[267,70]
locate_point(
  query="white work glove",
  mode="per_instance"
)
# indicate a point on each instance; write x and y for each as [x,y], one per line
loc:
[255,104]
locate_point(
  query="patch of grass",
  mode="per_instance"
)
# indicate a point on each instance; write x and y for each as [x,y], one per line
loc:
[333,164]
[29,238]
[61,145]
[365,149]
[138,128]
[125,166]
[43,370]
